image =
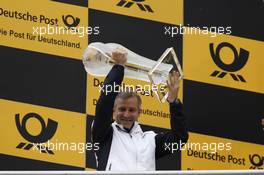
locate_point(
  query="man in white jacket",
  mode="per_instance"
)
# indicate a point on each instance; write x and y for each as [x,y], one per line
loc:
[123,146]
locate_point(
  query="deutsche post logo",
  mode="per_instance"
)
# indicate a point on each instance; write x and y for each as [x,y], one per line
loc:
[47,132]
[70,22]
[128,4]
[240,60]
[257,161]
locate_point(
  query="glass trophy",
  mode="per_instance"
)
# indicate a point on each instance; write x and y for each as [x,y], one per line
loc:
[160,72]
[97,61]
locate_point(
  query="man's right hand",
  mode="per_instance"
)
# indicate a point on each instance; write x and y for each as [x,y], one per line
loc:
[119,56]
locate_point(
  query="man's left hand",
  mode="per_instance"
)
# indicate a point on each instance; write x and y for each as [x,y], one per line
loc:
[173,85]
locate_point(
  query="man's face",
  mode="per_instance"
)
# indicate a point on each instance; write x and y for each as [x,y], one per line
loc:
[126,112]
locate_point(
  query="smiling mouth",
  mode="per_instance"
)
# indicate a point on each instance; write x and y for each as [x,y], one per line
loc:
[125,120]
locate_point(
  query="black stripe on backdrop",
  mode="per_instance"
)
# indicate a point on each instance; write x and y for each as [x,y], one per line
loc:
[82,3]
[142,36]
[42,79]
[11,163]
[245,17]
[224,112]
[170,162]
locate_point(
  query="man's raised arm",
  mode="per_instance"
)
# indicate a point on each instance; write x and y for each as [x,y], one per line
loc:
[178,133]
[104,107]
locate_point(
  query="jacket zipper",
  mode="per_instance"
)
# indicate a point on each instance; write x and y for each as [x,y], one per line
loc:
[110,166]
[136,149]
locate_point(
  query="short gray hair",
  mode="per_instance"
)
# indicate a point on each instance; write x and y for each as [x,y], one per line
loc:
[124,95]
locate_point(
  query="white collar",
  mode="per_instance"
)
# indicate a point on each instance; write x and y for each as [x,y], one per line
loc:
[135,129]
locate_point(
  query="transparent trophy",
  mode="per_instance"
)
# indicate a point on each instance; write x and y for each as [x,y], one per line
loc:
[98,62]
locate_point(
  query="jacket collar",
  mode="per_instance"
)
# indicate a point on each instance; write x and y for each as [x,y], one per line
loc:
[135,129]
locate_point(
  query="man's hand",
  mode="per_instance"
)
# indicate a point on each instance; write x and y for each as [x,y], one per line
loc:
[173,85]
[119,56]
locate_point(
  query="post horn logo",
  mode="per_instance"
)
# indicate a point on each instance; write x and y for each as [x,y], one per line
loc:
[70,22]
[47,132]
[239,62]
[257,161]
[128,4]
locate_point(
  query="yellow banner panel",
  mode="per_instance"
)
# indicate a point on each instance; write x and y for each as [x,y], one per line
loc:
[153,113]
[42,133]
[203,152]
[224,60]
[165,11]
[58,29]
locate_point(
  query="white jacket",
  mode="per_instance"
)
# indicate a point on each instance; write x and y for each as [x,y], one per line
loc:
[137,146]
